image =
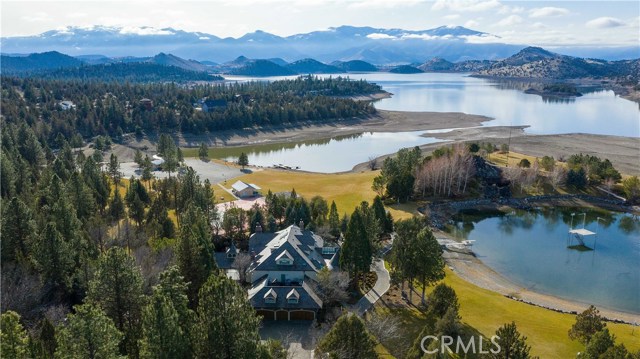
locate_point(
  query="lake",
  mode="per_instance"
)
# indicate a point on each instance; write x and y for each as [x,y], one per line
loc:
[335,154]
[531,249]
[597,112]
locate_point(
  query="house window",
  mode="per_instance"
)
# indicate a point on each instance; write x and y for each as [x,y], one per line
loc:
[270,297]
[328,250]
[293,297]
[285,262]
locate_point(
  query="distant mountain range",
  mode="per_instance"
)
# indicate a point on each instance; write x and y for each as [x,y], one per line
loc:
[538,63]
[530,62]
[345,43]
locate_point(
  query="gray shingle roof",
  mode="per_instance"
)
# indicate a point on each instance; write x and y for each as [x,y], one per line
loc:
[304,247]
[307,298]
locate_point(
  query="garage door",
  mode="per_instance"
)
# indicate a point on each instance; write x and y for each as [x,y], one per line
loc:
[266,314]
[302,315]
[282,315]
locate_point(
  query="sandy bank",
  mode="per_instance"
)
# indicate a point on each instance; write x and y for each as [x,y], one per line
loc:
[471,269]
[382,121]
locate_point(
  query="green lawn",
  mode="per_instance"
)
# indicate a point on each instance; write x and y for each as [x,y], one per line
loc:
[546,330]
[481,309]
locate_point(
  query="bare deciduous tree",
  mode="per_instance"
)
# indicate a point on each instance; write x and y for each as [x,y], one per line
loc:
[21,290]
[558,176]
[332,286]
[446,175]
[241,263]
[373,163]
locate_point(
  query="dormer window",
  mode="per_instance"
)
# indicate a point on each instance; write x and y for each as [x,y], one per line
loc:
[293,297]
[270,297]
[284,259]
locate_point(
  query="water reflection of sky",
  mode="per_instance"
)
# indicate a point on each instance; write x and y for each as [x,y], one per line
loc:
[599,112]
[338,154]
[530,248]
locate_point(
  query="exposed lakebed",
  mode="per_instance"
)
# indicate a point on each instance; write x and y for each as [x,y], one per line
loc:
[596,112]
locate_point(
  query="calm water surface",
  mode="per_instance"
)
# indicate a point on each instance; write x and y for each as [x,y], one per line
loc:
[597,112]
[530,248]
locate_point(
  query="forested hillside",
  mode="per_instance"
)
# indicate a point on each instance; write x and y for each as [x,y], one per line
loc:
[115,108]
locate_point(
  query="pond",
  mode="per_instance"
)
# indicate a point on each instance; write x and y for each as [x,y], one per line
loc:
[532,249]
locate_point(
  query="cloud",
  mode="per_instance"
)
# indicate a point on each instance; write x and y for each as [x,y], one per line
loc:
[471,24]
[383,4]
[605,22]
[481,39]
[547,11]
[144,31]
[539,25]
[76,15]
[419,36]
[452,17]
[510,20]
[466,5]
[37,17]
[378,36]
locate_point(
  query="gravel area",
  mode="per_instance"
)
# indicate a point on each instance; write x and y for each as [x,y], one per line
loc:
[213,171]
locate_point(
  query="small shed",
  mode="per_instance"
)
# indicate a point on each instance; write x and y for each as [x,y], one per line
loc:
[243,190]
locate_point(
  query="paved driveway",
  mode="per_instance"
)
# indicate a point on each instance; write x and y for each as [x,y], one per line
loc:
[297,335]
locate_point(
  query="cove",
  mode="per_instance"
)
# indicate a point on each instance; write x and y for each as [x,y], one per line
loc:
[530,248]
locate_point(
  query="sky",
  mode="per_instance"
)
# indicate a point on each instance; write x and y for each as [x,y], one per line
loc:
[542,23]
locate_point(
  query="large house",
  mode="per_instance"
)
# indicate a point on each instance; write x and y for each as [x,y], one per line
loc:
[283,268]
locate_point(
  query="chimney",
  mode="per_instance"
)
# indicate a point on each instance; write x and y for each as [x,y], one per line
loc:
[301,225]
[258,228]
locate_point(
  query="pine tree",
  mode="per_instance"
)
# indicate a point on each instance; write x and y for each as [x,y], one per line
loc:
[512,344]
[137,158]
[54,258]
[441,299]
[117,289]
[600,342]
[348,339]
[227,326]
[429,263]
[113,169]
[243,160]
[17,230]
[46,338]
[88,333]
[203,151]
[80,196]
[587,324]
[163,337]
[116,207]
[356,255]
[14,337]
[147,168]
[334,220]
[381,215]
[194,251]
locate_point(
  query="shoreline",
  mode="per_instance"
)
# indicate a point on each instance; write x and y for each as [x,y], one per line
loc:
[382,121]
[467,266]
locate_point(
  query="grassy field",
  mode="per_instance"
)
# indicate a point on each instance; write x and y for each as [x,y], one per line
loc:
[500,159]
[546,330]
[347,189]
